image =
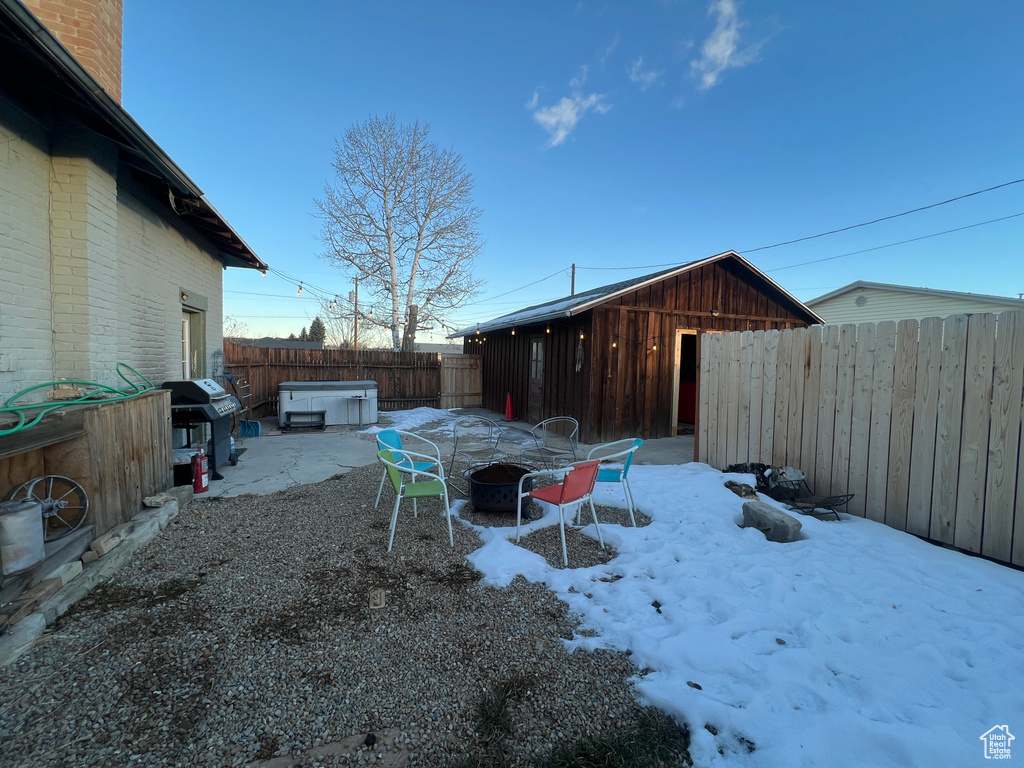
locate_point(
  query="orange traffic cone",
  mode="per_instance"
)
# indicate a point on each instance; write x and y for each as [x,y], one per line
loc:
[509,416]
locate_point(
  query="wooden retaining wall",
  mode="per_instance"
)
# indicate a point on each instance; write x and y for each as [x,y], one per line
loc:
[118,452]
[920,420]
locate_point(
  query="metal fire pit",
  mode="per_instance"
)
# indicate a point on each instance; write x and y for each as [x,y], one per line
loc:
[495,488]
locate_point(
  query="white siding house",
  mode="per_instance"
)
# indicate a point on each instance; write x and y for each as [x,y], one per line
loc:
[864,302]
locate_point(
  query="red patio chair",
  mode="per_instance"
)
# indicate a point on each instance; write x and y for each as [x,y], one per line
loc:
[576,487]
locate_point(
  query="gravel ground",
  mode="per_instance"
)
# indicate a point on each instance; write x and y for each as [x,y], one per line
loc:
[244,632]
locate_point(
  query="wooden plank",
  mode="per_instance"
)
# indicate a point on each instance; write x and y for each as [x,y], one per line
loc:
[1004,437]
[742,407]
[842,432]
[620,357]
[602,375]
[798,368]
[769,382]
[55,427]
[666,411]
[948,429]
[974,440]
[860,426]
[715,397]
[926,414]
[726,404]
[756,393]
[881,419]
[901,432]
[824,444]
[706,396]
[812,392]
[784,365]
[652,363]
[735,372]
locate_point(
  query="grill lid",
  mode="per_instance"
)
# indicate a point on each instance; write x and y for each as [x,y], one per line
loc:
[199,391]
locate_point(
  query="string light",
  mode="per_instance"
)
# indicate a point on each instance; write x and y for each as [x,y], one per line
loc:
[300,290]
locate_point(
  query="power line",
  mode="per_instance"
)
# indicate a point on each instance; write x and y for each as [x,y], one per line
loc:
[887,218]
[520,288]
[843,229]
[829,258]
[901,242]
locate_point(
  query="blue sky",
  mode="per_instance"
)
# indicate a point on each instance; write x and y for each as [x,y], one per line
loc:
[608,135]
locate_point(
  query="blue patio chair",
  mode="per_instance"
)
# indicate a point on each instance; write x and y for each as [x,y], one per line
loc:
[391,439]
[620,450]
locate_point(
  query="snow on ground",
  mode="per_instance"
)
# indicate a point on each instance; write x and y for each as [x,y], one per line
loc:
[426,421]
[856,646]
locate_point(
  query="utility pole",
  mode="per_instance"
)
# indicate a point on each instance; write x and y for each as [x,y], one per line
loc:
[355,328]
[572,285]
[353,296]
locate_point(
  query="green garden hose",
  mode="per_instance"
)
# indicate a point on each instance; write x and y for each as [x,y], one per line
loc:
[99,393]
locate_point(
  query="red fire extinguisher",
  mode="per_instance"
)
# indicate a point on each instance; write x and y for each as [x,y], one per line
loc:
[200,472]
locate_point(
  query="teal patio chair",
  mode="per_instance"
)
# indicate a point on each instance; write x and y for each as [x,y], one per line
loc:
[391,439]
[620,450]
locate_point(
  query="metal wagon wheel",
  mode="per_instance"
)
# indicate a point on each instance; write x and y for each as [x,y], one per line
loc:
[65,503]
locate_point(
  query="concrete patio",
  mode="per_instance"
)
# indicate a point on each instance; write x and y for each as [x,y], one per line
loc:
[278,460]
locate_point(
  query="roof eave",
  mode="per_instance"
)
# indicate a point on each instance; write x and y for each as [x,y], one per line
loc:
[503,321]
[137,138]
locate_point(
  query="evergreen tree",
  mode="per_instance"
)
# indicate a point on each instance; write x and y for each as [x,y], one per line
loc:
[317,330]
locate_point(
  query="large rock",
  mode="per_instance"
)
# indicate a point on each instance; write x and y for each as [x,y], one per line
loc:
[775,524]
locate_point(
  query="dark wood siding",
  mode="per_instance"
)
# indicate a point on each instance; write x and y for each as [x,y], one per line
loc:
[625,388]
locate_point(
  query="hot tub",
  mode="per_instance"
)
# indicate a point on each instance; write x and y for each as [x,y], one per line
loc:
[342,402]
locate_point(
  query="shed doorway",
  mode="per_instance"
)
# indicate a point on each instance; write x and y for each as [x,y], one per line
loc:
[685,382]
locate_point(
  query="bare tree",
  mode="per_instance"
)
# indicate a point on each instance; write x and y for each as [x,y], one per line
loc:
[234,328]
[400,217]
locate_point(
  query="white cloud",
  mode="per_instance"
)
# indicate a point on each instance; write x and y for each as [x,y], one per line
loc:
[721,51]
[612,45]
[532,103]
[645,78]
[560,119]
[577,82]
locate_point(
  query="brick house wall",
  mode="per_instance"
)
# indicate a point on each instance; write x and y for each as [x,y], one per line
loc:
[92,31]
[25,307]
[93,266]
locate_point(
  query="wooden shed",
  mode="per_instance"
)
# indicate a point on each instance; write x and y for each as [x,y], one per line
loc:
[623,359]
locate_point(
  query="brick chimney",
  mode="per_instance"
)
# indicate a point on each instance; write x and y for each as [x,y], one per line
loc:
[91,31]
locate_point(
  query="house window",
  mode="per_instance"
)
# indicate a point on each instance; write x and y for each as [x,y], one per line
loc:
[537,359]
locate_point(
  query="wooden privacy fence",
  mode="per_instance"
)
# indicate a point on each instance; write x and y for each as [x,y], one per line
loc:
[462,382]
[404,380]
[921,420]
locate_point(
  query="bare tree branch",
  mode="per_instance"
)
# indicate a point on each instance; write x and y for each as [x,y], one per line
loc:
[400,217]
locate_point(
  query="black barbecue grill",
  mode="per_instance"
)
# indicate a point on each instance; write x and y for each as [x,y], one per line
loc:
[204,401]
